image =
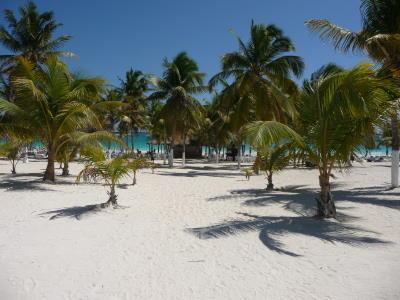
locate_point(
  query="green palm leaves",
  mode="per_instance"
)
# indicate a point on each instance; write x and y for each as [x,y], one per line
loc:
[339,109]
[261,72]
[111,172]
[180,81]
[31,36]
[52,104]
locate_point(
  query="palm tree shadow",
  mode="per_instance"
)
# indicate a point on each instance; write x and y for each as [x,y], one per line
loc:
[78,212]
[272,228]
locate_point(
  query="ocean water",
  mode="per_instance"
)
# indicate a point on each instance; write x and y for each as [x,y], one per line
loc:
[141,141]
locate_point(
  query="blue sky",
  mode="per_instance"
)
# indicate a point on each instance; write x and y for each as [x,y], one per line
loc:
[109,37]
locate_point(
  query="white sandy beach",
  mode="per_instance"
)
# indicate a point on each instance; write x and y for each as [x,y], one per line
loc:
[199,233]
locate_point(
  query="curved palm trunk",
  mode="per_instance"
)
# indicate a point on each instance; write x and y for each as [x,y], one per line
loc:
[395,151]
[65,169]
[49,174]
[325,205]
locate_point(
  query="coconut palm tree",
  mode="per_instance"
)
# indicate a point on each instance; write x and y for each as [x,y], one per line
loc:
[339,109]
[31,35]
[180,81]
[261,71]
[379,38]
[52,104]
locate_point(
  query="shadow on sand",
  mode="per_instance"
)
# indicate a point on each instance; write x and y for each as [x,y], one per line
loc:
[272,228]
[78,212]
[301,201]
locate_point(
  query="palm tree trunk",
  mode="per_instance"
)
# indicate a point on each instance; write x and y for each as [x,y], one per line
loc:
[65,170]
[112,200]
[13,166]
[49,174]
[134,178]
[132,142]
[270,185]
[165,153]
[326,206]
[395,151]
[184,150]
[240,156]
[171,155]
[217,151]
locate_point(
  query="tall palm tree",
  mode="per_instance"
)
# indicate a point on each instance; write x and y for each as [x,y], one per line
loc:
[379,38]
[31,35]
[133,112]
[180,81]
[261,71]
[52,104]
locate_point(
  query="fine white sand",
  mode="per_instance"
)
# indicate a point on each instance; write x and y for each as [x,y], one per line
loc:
[199,233]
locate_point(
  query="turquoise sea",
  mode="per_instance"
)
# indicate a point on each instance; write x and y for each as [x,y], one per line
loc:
[141,141]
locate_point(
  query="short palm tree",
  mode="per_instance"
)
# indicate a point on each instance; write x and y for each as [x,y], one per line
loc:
[111,172]
[379,38]
[52,104]
[339,109]
[273,159]
[12,149]
[31,35]
[180,81]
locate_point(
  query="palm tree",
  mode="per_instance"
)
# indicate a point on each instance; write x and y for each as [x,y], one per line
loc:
[52,104]
[215,129]
[261,70]
[12,149]
[134,114]
[31,35]
[379,38]
[180,81]
[339,109]
[110,171]
[81,141]
[273,159]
